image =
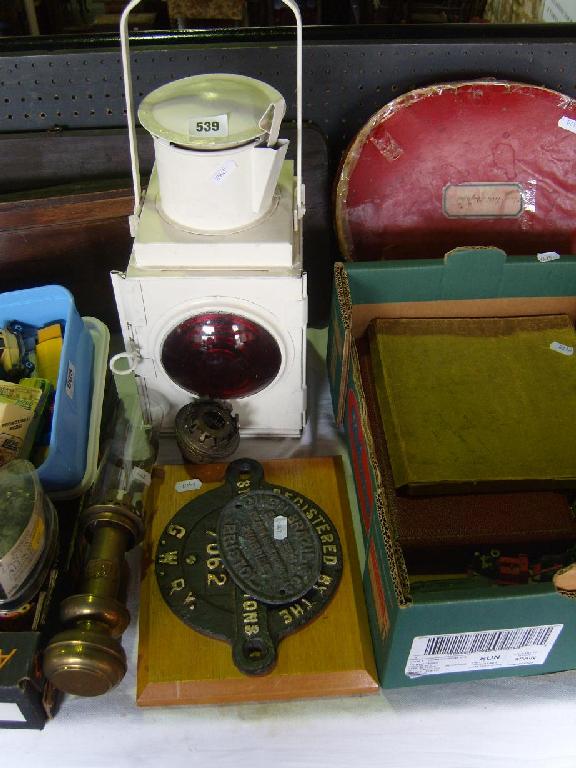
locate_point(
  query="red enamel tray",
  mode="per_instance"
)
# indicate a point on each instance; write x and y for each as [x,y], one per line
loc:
[461,164]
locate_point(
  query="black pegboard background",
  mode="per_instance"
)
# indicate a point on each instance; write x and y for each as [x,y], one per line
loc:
[77,83]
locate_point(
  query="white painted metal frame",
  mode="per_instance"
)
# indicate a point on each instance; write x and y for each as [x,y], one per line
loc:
[128,94]
[30,8]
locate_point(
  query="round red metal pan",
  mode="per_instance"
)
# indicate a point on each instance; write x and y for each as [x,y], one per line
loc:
[461,164]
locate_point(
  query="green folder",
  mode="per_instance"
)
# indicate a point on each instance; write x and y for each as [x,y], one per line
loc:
[477,404]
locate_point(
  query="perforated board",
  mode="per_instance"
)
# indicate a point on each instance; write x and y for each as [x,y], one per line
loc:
[345,79]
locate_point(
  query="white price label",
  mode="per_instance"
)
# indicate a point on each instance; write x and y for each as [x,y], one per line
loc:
[564,349]
[280,527]
[547,256]
[473,651]
[223,171]
[70,380]
[568,123]
[206,127]
[188,485]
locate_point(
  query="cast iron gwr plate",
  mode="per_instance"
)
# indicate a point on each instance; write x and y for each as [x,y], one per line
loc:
[199,589]
[269,547]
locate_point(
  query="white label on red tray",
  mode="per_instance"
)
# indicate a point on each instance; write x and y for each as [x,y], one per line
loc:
[564,349]
[548,256]
[18,562]
[70,380]
[479,200]
[206,127]
[568,123]
[223,171]
[477,651]
[188,485]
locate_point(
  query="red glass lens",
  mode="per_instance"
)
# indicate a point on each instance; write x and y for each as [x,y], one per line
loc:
[218,354]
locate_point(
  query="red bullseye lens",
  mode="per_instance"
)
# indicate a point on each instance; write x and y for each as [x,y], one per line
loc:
[217,354]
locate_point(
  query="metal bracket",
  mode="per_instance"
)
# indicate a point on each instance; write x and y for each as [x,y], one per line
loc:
[128,95]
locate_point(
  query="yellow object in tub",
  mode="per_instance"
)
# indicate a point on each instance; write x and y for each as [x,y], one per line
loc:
[48,352]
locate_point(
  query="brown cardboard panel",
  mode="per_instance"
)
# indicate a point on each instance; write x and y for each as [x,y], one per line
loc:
[362,314]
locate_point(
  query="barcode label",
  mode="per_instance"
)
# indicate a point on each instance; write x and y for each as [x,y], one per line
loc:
[470,651]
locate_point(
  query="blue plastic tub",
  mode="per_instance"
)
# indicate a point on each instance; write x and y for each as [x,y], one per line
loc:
[65,464]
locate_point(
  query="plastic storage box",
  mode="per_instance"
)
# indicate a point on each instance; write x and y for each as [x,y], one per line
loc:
[101,338]
[65,465]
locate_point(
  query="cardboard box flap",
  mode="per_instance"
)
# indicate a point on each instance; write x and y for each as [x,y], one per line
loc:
[463,274]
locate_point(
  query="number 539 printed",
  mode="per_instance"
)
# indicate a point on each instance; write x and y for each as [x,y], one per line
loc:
[216,125]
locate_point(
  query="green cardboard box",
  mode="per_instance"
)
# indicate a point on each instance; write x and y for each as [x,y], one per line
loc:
[442,634]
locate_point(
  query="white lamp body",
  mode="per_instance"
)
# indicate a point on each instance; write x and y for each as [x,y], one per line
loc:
[218,156]
[218,190]
[217,236]
[268,244]
[152,303]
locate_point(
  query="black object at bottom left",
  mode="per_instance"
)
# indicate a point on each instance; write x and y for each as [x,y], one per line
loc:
[29,578]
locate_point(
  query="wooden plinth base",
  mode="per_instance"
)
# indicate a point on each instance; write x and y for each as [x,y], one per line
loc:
[332,656]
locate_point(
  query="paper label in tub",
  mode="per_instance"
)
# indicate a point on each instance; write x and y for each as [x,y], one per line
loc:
[17,408]
[474,651]
[18,563]
[205,127]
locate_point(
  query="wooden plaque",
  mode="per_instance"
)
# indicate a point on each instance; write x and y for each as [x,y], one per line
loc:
[331,656]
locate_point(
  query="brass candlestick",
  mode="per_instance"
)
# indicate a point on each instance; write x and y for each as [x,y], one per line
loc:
[87,657]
